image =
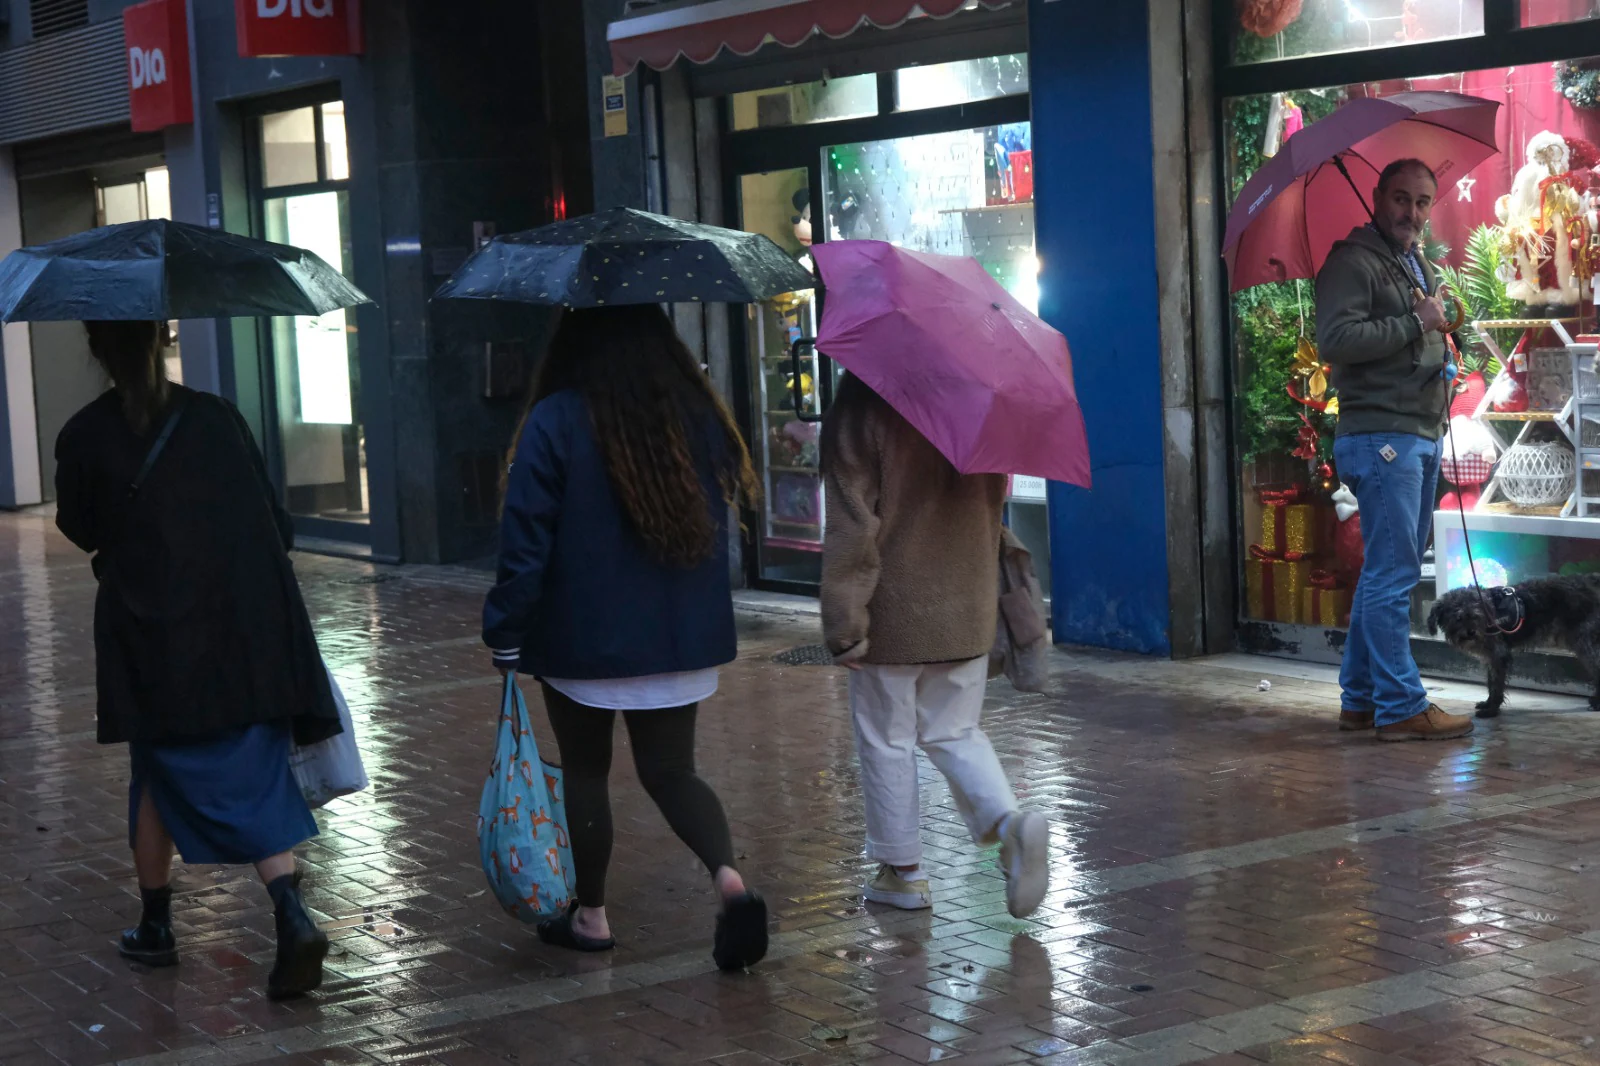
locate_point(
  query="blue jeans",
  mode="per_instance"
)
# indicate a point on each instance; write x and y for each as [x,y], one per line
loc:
[1396,497]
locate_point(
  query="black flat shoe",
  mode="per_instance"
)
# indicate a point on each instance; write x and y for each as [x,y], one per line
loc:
[301,948]
[150,943]
[741,939]
[558,932]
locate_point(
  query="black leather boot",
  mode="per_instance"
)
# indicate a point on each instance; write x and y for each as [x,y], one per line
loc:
[301,945]
[151,941]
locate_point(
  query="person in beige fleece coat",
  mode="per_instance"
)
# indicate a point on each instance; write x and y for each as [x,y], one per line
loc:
[909,598]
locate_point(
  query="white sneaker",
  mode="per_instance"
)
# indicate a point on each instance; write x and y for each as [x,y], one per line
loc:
[889,888]
[1025,860]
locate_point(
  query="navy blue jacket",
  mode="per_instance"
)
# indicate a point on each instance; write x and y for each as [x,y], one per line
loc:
[578,594]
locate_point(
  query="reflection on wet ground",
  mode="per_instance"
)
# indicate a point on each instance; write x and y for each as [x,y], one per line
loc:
[1235,880]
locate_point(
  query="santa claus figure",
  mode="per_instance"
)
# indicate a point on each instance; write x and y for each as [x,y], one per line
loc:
[1546,224]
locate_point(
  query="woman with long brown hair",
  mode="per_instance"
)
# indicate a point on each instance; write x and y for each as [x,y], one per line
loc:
[614,591]
[206,664]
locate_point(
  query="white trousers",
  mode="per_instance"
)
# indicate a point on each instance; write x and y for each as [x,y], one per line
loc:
[900,708]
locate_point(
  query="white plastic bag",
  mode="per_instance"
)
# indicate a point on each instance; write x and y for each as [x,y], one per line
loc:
[330,768]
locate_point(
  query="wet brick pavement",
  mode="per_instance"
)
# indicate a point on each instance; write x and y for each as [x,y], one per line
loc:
[1235,881]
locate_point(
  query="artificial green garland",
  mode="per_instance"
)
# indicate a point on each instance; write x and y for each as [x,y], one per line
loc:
[1579,83]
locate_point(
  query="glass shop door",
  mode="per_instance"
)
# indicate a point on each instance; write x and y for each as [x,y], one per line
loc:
[786,406]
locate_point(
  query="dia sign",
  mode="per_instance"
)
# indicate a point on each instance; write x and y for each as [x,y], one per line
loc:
[298,27]
[147,68]
[156,35]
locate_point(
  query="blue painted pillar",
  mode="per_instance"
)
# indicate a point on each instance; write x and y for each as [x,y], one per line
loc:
[1095,214]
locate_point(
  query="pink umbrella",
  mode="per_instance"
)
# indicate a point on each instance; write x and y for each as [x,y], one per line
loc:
[981,376]
[1298,204]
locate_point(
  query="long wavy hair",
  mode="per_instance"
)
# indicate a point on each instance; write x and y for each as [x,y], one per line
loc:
[133,358]
[650,405]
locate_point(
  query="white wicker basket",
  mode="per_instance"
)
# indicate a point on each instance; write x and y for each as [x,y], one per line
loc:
[1537,475]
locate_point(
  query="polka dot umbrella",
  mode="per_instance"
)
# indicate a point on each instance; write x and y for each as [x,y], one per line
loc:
[624,256]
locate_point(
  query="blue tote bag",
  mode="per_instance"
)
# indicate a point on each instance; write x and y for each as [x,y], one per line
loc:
[522,824]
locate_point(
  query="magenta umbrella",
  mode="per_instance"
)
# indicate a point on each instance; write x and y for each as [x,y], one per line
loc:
[981,376]
[1299,203]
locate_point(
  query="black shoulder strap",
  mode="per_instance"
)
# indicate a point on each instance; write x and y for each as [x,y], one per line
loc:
[155,449]
[98,560]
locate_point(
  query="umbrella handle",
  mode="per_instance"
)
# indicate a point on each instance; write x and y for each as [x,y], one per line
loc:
[794,379]
[1445,294]
[1447,297]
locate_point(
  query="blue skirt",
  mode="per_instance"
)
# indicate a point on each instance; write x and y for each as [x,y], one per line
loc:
[229,800]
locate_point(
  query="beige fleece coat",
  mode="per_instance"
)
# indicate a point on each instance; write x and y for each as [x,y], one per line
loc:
[910,559]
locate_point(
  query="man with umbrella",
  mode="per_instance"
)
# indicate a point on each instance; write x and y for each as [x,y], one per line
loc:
[1381,325]
[1305,214]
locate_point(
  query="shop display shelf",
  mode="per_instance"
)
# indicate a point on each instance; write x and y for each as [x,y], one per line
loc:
[1523,323]
[1520,416]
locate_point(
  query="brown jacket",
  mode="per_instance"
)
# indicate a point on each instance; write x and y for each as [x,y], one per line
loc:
[910,560]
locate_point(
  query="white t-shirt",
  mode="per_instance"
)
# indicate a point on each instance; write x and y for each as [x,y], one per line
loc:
[652,693]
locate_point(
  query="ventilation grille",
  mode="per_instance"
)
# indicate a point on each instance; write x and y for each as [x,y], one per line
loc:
[51,17]
[805,655]
[73,81]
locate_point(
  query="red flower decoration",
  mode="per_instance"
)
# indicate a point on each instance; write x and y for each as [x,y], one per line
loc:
[1268,18]
[1306,442]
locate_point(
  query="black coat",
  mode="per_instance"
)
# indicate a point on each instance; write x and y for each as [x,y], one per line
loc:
[198,625]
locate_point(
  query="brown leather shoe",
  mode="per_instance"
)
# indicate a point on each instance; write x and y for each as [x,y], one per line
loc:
[1355,721]
[1431,724]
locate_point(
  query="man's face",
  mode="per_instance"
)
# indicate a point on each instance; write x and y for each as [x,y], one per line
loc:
[1401,208]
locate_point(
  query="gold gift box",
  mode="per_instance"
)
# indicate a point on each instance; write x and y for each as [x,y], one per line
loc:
[1289,528]
[1324,607]
[1274,587]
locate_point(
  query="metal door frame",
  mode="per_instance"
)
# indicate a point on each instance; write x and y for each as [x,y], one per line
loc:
[793,148]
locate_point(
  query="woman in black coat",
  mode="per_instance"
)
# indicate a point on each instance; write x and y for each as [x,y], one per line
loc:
[206,664]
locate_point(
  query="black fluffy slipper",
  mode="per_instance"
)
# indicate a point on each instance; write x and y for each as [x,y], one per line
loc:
[741,939]
[559,932]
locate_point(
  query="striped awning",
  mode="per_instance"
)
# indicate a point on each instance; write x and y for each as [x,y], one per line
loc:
[700,32]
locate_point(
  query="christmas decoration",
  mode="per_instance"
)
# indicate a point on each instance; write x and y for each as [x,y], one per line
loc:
[1288,525]
[1509,393]
[1325,601]
[1268,18]
[1273,586]
[1583,155]
[1579,83]
[1547,227]
[1348,548]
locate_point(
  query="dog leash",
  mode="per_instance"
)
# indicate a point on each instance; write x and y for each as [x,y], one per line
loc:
[1501,596]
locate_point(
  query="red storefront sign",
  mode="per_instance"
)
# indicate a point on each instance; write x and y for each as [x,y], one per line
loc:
[298,27]
[156,39]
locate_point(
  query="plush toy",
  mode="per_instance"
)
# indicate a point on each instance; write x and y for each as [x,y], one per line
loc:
[1546,226]
[1509,393]
[1470,451]
[801,219]
[1348,549]
[795,443]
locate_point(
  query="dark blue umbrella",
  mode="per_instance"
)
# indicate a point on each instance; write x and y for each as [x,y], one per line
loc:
[148,271]
[623,256]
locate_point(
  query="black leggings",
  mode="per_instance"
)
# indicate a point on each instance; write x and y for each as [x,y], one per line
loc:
[663,753]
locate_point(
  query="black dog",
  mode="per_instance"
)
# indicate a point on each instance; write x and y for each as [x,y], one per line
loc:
[1553,612]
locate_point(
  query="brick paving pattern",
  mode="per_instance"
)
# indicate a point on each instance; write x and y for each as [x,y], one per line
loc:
[1235,881]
